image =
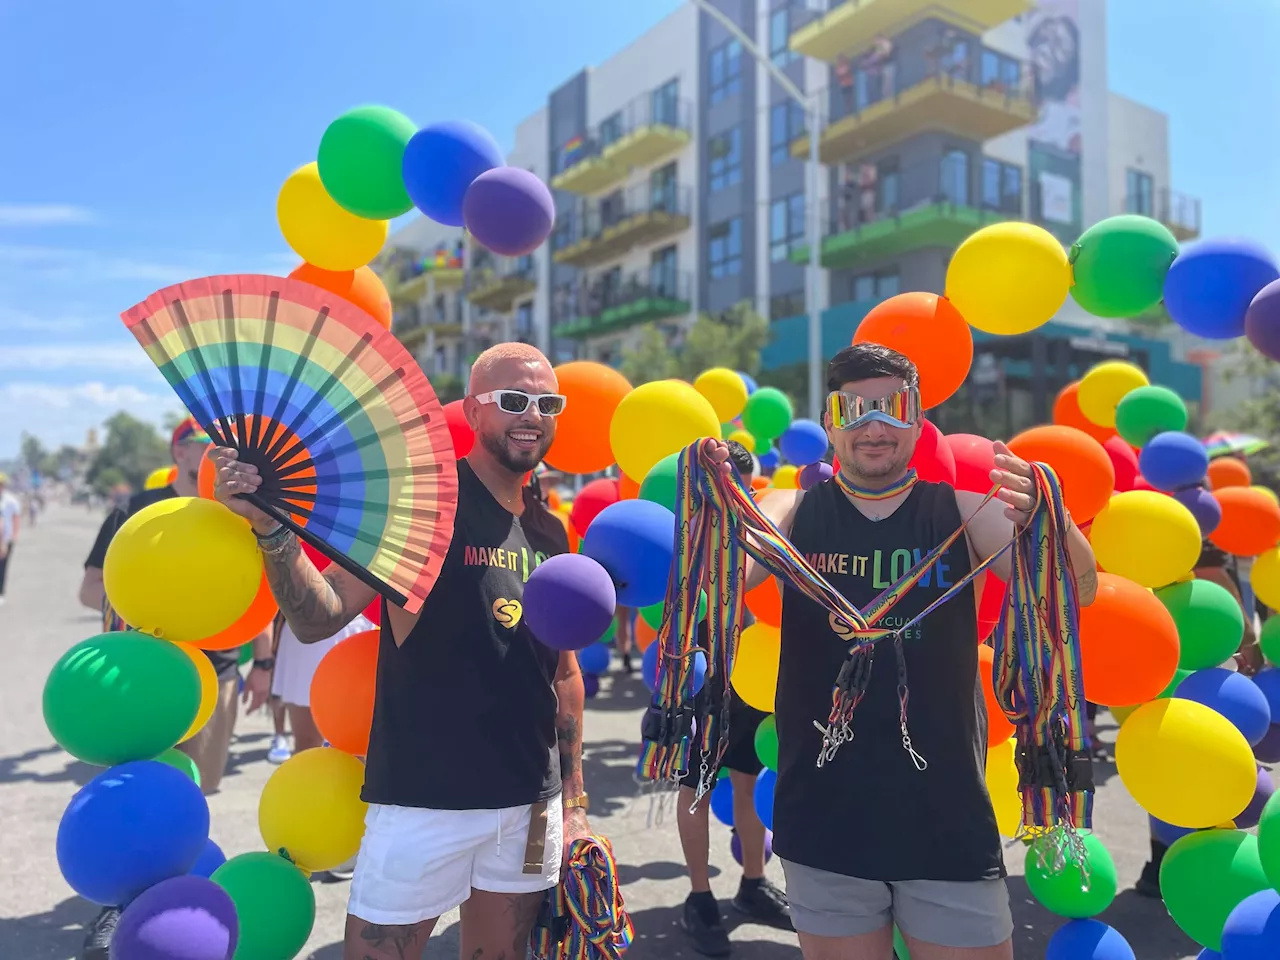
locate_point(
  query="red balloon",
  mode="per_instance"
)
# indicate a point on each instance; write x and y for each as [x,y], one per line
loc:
[373,612]
[459,429]
[315,556]
[990,604]
[591,499]
[975,459]
[933,458]
[1125,460]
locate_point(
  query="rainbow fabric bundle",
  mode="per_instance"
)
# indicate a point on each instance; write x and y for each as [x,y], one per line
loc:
[584,918]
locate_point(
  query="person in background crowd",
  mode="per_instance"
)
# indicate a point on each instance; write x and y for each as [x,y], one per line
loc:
[281,749]
[757,898]
[624,637]
[10,520]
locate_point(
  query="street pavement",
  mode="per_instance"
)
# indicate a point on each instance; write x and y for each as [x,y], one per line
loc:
[41,919]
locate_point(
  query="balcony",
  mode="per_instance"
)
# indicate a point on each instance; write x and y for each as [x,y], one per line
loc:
[650,127]
[862,119]
[413,323]
[496,283]
[409,275]
[850,25]
[1177,211]
[604,229]
[612,302]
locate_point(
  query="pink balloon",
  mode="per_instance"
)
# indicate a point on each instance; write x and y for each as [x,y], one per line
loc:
[933,458]
[1124,460]
[459,429]
[975,459]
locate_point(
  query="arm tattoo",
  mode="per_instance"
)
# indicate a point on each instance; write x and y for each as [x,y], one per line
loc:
[307,599]
[1087,582]
[569,735]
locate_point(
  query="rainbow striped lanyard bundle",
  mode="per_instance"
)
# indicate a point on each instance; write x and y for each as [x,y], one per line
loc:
[583,918]
[1037,651]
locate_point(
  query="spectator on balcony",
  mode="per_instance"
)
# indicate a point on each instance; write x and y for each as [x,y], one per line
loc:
[878,62]
[844,80]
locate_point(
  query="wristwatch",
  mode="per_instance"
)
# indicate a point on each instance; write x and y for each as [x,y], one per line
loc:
[582,801]
[266,664]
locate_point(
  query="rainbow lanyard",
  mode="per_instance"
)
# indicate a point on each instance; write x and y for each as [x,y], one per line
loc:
[1037,652]
[863,493]
[584,917]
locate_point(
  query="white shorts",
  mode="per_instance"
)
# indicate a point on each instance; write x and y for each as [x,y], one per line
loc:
[296,661]
[415,864]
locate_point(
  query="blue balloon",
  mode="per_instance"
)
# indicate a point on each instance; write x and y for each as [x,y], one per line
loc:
[803,443]
[590,685]
[1207,954]
[1167,833]
[1172,460]
[129,828]
[441,160]
[765,784]
[634,540]
[1234,696]
[722,801]
[649,668]
[752,386]
[1088,940]
[1252,931]
[594,659]
[1268,681]
[1209,287]
[210,859]
[769,460]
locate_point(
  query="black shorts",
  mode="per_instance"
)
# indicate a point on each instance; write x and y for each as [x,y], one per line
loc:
[740,754]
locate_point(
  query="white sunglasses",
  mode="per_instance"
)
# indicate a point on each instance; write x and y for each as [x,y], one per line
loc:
[516,402]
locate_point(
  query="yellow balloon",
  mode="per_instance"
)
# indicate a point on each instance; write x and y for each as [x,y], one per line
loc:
[786,477]
[744,438]
[1265,578]
[755,666]
[1008,278]
[724,390]
[182,569]
[1268,491]
[1104,386]
[1185,763]
[208,689]
[321,232]
[1002,786]
[657,419]
[159,478]
[311,810]
[1122,714]
[1146,537]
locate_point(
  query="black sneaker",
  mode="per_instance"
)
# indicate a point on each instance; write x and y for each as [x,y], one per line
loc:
[1148,885]
[627,666]
[702,923]
[761,901]
[97,941]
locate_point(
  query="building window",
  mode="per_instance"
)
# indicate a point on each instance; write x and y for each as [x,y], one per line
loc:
[786,226]
[876,286]
[724,249]
[610,129]
[1139,194]
[524,321]
[786,123]
[724,152]
[955,177]
[888,182]
[779,35]
[726,71]
[1001,186]
[1001,72]
[662,272]
[662,188]
[664,103]
[782,305]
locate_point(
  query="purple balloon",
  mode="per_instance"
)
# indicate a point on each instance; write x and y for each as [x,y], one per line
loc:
[590,685]
[187,917]
[1251,814]
[440,163]
[1203,506]
[569,601]
[814,474]
[735,846]
[509,210]
[1209,287]
[1267,750]
[1262,321]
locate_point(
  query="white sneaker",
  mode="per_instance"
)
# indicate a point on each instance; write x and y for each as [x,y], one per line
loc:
[280,751]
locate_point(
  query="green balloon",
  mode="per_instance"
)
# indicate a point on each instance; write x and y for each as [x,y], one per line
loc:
[767,414]
[359,161]
[660,483]
[722,774]
[180,761]
[1269,839]
[1210,622]
[274,904]
[1119,265]
[1205,875]
[1145,411]
[652,614]
[899,945]
[1269,641]
[767,742]
[610,632]
[1066,892]
[119,697]
[1178,676]
[245,654]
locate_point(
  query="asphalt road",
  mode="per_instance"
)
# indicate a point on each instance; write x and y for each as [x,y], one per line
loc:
[41,919]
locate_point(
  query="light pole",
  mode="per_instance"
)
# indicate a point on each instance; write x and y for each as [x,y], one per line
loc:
[813,271]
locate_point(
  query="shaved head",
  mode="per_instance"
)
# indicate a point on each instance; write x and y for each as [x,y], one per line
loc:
[493,368]
[514,442]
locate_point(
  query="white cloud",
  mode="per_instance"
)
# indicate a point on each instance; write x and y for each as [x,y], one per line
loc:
[43,214]
[77,355]
[59,414]
[86,266]
[95,393]
[23,321]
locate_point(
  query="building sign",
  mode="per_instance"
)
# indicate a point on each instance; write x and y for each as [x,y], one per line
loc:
[1054,146]
[1111,348]
[1057,194]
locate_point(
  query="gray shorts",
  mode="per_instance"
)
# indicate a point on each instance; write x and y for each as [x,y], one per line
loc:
[945,912]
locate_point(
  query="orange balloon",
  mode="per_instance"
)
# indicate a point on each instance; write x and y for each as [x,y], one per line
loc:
[999,728]
[593,392]
[1250,522]
[1066,413]
[360,286]
[1228,472]
[563,516]
[252,622]
[1087,474]
[342,692]
[644,634]
[759,483]
[553,500]
[1128,644]
[628,489]
[930,332]
[765,602]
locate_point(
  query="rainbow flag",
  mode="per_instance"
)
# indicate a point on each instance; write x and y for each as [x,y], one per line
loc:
[571,150]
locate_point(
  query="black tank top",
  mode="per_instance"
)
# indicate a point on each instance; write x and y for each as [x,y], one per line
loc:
[464,716]
[869,812]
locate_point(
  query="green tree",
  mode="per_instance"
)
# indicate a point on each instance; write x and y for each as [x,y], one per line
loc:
[34,455]
[1258,415]
[650,359]
[733,339]
[132,449]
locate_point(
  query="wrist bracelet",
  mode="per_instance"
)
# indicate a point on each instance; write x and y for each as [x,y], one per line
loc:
[275,543]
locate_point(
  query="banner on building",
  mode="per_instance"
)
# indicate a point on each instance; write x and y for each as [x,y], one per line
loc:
[1054,146]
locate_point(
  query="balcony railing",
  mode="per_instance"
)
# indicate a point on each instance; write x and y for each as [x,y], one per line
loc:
[642,132]
[599,229]
[495,283]
[1177,211]
[613,301]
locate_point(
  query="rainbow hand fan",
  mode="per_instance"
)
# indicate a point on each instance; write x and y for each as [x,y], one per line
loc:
[346,431]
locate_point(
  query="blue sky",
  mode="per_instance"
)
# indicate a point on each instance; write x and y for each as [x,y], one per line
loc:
[143,142]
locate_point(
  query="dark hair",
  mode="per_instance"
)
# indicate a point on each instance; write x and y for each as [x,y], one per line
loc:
[742,460]
[863,361]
